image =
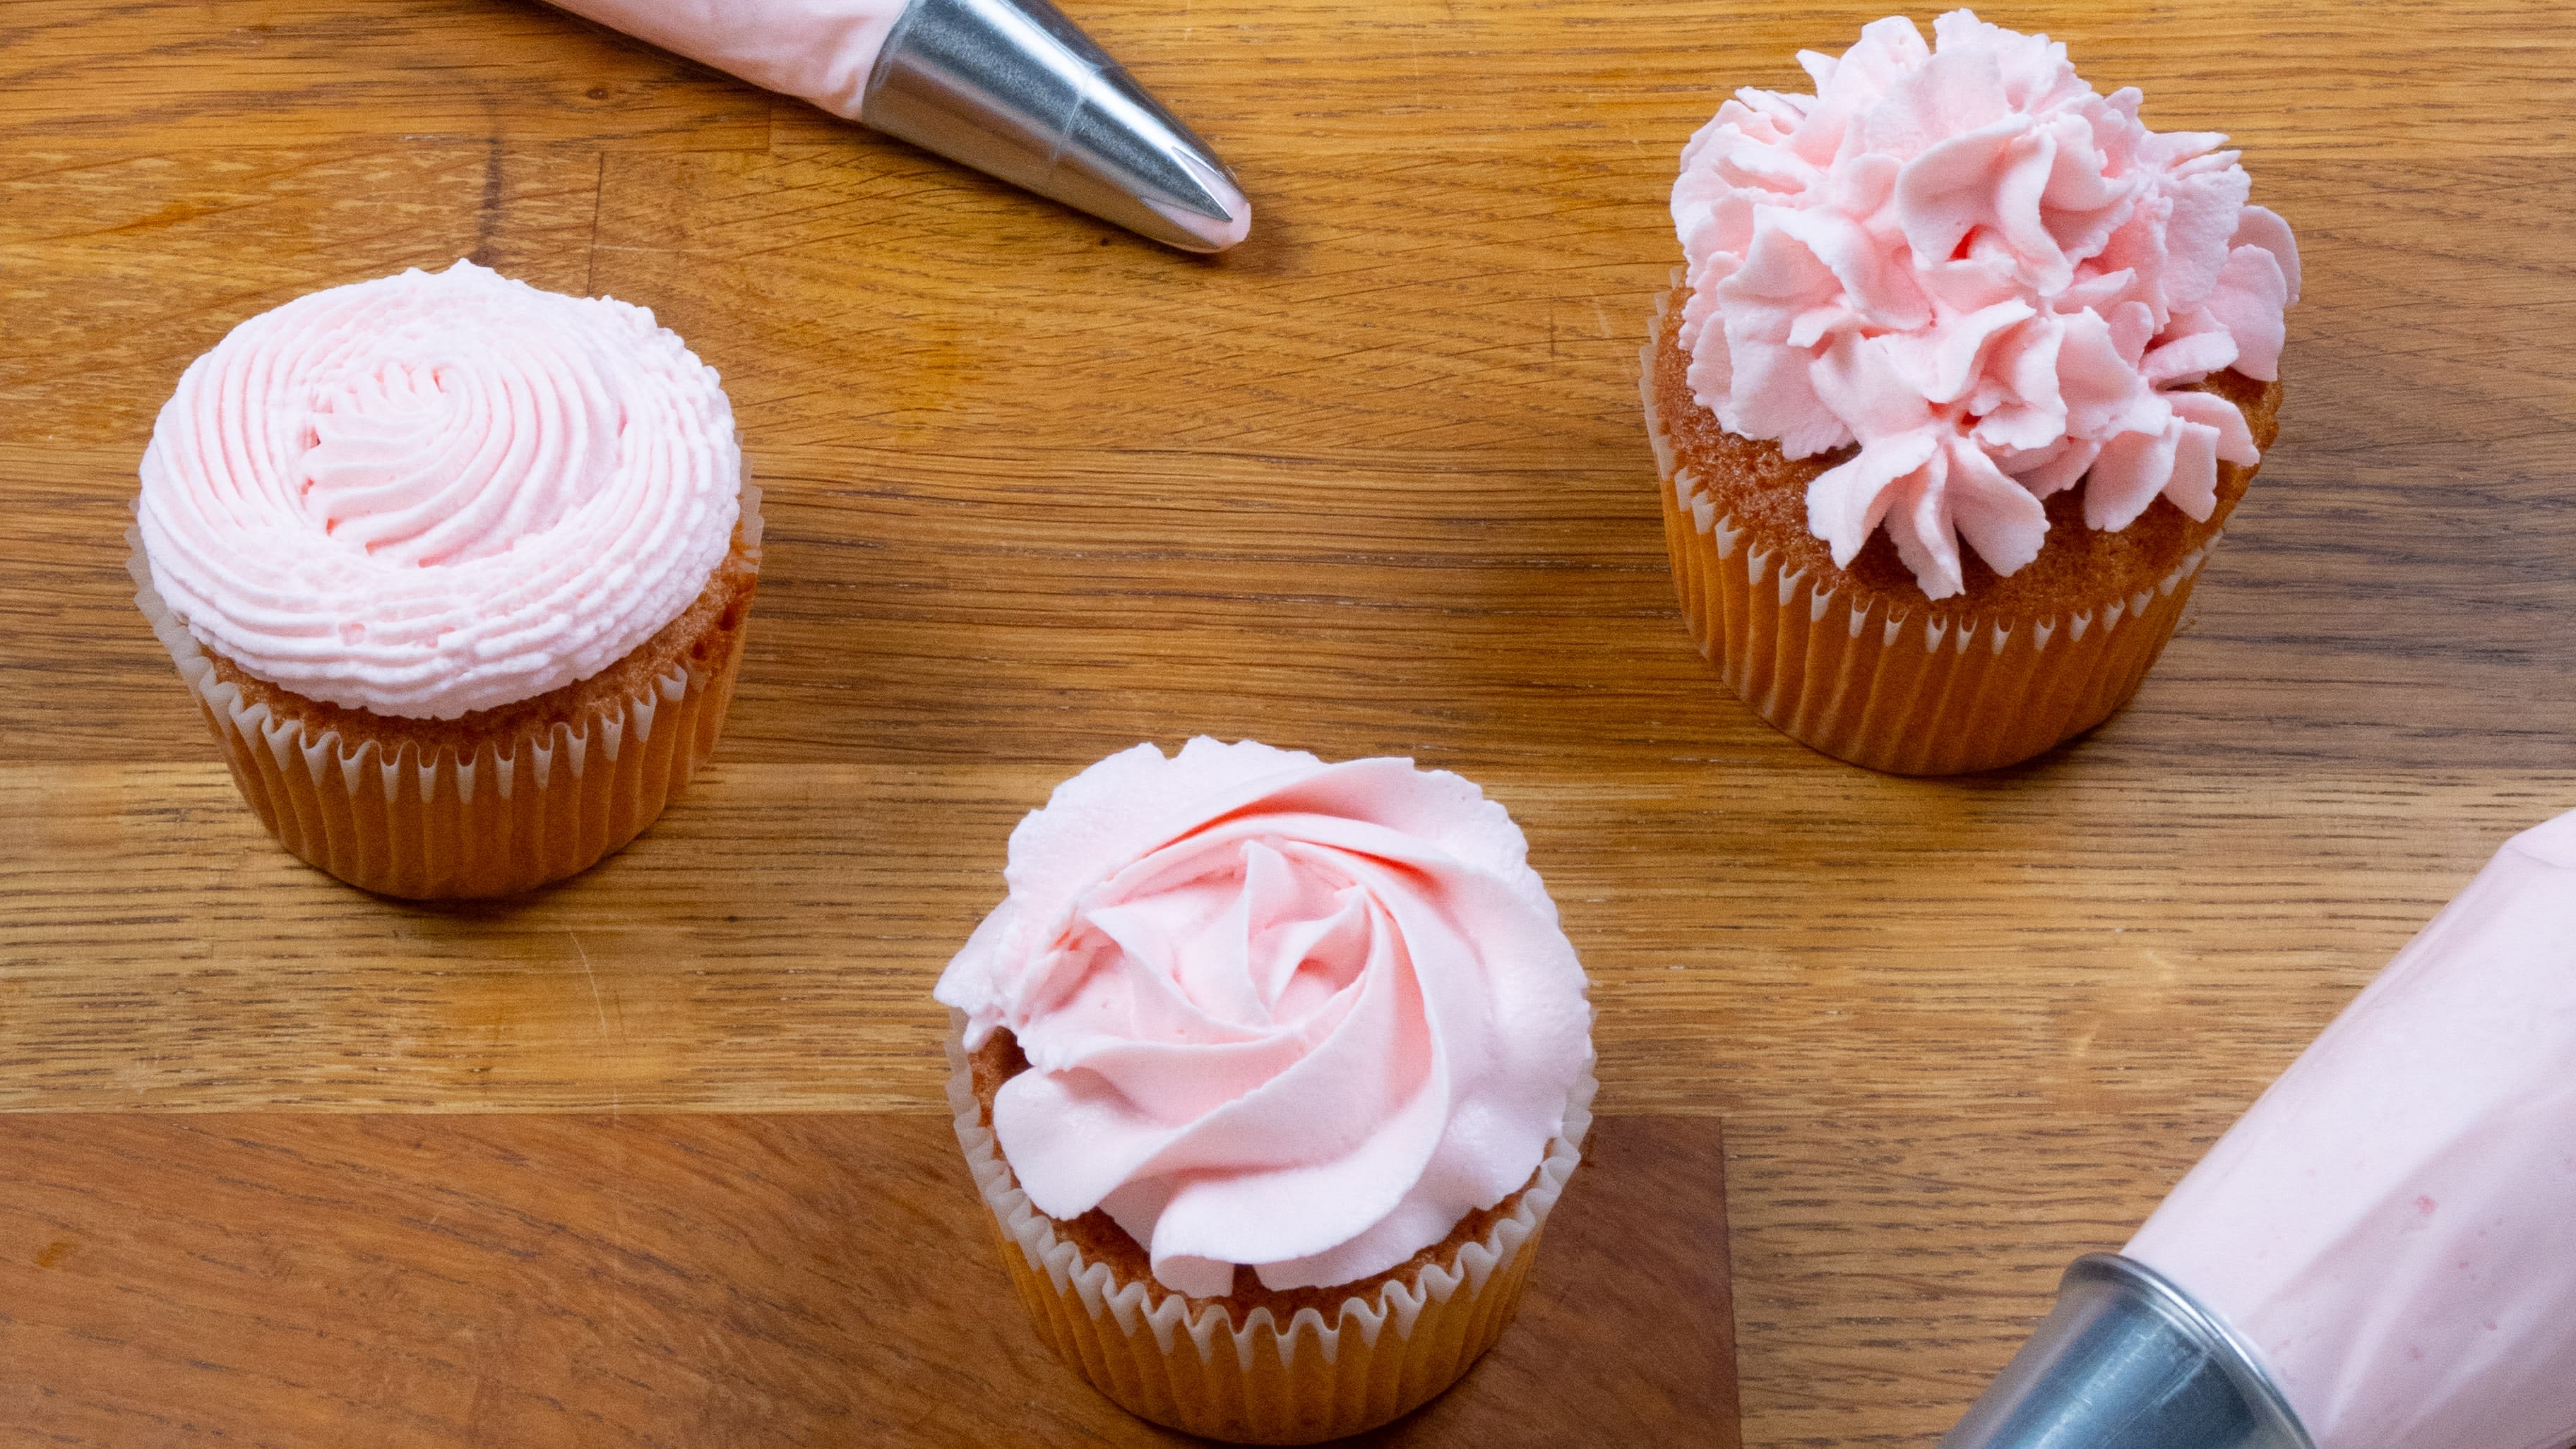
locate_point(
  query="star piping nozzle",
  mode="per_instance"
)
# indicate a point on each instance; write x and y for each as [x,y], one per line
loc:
[2127,1360]
[1015,89]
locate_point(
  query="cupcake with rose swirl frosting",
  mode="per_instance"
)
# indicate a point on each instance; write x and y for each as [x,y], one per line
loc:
[457,571]
[1964,373]
[1270,1071]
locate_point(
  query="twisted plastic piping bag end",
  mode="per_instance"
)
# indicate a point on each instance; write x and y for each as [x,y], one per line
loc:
[1016,90]
[2127,1360]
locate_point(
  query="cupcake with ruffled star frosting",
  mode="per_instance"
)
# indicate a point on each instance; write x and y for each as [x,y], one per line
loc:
[457,571]
[1964,372]
[1269,1071]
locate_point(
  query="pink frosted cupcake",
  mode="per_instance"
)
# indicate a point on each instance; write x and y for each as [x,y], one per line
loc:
[1270,1072]
[457,571]
[1963,377]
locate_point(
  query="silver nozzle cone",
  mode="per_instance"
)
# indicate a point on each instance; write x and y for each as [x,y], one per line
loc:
[1013,88]
[2128,1361]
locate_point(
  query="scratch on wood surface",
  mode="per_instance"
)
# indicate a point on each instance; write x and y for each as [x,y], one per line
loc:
[590,265]
[593,978]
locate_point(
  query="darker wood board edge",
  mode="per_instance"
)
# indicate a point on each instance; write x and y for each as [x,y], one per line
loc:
[700,1280]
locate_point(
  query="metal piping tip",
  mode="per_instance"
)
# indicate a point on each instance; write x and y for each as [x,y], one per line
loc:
[1014,89]
[2127,1360]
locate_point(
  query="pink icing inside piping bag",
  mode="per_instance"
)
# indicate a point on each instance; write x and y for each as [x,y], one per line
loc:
[1279,1013]
[1991,279]
[2392,1227]
[816,50]
[1010,87]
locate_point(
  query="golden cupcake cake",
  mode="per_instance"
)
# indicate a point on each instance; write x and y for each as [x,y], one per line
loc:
[457,571]
[1962,377]
[1270,1072]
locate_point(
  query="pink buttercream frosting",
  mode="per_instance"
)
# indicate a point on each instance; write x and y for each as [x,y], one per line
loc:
[1993,280]
[435,493]
[1278,1013]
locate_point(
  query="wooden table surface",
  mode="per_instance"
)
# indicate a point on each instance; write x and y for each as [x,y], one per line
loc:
[1373,483]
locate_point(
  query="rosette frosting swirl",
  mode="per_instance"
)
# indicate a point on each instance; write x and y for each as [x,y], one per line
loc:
[1994,281]
[436,493]
[1278,1013]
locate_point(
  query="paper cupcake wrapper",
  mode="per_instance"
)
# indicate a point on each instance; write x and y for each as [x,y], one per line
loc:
[1256,1382]
[1864,680]
[516,812]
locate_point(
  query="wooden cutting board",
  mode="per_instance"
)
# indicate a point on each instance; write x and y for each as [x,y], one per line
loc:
[702,1280]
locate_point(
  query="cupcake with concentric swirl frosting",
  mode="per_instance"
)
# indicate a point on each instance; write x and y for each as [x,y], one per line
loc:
[1964,374]
[1270,1072]
[457,571]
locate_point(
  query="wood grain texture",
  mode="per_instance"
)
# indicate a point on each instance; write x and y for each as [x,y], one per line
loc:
[2068,939]
[700,1280]
[1375,482]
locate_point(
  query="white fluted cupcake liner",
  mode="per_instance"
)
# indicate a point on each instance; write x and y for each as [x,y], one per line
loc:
[1863,679]
[1256,1381]
[490,818]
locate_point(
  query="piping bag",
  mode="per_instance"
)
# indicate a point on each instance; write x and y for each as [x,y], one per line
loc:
[1009,87]
[2381,1254]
